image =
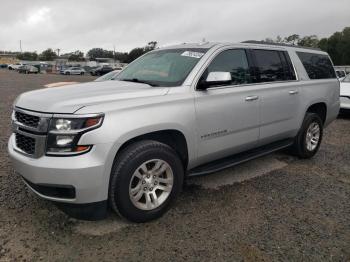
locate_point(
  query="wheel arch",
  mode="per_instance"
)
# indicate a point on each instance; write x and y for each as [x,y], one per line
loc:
[171,137]
[319,108]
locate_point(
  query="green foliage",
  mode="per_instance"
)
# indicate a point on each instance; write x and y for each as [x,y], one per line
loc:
[309,41]
[122,57]
[48,55]
[76,56]
[135,53]
[99,53]
[28,56]
[139,51]
[337,45]
[292,39]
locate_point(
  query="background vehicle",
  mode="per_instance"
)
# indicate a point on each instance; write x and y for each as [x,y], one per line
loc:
[3,65]
[345,94]
[101,70]
[15,66]
[73,71]
[179,111]
[109,76]
[340,74]
[28,69]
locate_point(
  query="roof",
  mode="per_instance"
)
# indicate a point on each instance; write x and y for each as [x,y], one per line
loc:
[279,44]
[251,43]
[205,45]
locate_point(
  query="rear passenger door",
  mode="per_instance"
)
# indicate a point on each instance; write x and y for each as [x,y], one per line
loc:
[278,93]
[227,115]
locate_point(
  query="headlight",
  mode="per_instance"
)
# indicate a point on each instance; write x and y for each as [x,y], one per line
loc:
[65,132]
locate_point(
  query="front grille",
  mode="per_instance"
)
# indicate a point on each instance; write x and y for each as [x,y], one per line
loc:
[25,143]
[27,120]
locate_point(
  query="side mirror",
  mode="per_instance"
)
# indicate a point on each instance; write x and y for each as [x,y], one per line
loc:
[215,78]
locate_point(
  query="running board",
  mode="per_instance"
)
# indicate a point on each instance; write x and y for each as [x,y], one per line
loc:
[233,160]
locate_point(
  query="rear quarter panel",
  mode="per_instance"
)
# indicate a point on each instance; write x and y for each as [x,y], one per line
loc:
[316,91]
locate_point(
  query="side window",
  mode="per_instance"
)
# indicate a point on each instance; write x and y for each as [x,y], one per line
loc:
[317,66]
[233,61]
[269,66]
[289,73]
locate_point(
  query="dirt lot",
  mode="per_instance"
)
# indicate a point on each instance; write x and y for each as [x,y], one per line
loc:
[270,209]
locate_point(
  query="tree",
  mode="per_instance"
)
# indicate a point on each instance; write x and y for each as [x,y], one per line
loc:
[99,53]
[309,41]
[151,46]
[139,51]
[77,56]
[48,55]
[28,56]
[121,57]
[292,39]
[135,53]
[338,46]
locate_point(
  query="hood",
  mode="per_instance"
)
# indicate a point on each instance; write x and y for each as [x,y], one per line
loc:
[68,99]
[345,89]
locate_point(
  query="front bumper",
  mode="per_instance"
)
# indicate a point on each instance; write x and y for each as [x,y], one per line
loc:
[88,174]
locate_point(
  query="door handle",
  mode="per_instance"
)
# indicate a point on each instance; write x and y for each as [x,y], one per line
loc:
[293,92]
[251,98]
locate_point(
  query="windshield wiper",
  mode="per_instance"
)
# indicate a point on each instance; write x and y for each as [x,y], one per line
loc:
[136,80]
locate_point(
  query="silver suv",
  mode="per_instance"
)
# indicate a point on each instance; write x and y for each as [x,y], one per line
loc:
[179,111]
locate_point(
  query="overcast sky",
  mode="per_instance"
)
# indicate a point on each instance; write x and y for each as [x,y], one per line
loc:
[83,24]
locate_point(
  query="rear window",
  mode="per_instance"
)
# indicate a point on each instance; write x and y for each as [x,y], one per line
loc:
[272,65]
[317,66]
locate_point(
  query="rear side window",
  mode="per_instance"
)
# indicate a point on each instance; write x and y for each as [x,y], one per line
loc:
[233,61]
[289,73]
[317,66]
[272,65]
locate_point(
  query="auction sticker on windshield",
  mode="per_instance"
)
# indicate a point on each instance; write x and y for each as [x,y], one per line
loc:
[192,54]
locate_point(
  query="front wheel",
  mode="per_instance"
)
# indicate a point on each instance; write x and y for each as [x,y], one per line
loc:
[145,180]
[309,138]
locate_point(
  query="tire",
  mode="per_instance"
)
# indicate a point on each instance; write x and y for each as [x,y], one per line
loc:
[67,73]
[122,181]
[306,145]
[82,73]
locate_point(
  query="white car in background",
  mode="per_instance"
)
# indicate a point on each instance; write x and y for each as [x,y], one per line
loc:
[340,74]
[345,93]
[15,66]
[73,71]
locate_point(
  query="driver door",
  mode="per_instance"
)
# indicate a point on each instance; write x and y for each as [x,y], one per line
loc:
[228,114]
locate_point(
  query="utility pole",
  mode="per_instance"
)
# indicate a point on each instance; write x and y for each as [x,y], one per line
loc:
[114,53]
[20,45]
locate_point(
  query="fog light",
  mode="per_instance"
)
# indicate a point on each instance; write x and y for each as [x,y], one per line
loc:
[64,140]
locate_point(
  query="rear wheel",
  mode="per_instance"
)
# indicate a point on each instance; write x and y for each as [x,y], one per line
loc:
[145,180]
[309,138]
[67,73]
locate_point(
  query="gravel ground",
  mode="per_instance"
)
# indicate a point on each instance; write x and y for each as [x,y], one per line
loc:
[270,209]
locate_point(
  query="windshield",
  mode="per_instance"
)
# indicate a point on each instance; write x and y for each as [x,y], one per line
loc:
[347,79]
[109,76]
[168,67]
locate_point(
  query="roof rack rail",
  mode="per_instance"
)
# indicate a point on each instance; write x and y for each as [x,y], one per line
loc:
[279,44]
